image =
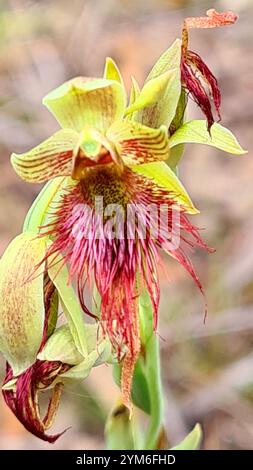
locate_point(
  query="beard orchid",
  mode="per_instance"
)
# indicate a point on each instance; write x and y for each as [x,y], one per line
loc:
[112,204]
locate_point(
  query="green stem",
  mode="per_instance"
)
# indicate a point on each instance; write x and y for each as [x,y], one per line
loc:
[153,374]
[146,388]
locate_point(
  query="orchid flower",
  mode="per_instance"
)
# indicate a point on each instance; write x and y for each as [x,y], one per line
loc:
[197,78]
[118,154]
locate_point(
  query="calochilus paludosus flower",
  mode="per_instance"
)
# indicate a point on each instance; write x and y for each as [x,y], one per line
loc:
[39,355]
[197,78]
[117,153]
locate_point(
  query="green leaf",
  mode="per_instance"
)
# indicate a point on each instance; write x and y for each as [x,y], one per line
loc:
[58,273]
[38,212]
[163,111]
[22,310]
[96,302]
[192,441]
[164,177]
[119,431]
[196,132]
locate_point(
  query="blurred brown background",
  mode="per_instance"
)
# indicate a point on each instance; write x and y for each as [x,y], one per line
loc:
[207,369]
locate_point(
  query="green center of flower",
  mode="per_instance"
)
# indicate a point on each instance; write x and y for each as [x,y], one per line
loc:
[93,149]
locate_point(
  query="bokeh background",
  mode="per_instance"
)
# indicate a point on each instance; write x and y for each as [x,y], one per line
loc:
[207,369]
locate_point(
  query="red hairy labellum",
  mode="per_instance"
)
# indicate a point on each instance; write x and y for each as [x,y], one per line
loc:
[122,262]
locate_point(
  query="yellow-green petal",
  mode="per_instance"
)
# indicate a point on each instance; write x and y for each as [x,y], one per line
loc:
[50,159]
[163,111]
[196,132]
[138,144]
[164,177]
[85,102]
[22,310]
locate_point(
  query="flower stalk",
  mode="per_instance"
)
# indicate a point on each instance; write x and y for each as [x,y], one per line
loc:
[153,369]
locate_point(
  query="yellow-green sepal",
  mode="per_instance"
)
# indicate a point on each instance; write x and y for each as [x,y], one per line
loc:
[150,93]
[164,109]
[176,152]
[169,60]
[22,310]
[112,72]
[156,100]
[162,175]
[86,102]
[42,206]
